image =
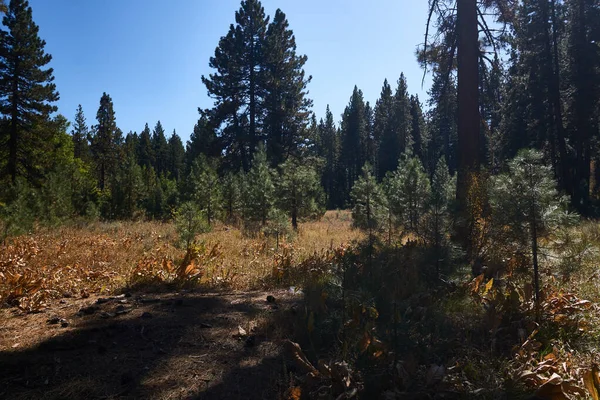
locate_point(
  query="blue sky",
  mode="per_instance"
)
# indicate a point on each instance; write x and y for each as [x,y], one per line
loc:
[149,55]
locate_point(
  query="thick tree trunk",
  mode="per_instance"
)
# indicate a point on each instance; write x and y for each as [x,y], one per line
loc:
[468,110]
[468,95]
[13,141]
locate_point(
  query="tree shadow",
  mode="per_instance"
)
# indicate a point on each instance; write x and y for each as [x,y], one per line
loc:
[183,348]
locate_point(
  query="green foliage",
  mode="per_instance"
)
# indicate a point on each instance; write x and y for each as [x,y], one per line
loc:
[160,149]
[176,157]
[18,212]
[438,221]
[287,107]
[408,191]
[278,225]
[206,188]
[127,189]
[298,189]
[259,189]
[328,147]
[232,195]
[189,222]
[369,202]
[105,141]
[27,92]
[525,199]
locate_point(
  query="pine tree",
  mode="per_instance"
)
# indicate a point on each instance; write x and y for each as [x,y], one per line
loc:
[526,206]
[203,140]
[238,86]
[443,124]
[418,131]
[160,148]
[437,224]
[383,131]
[145,150]
[27,91]
[286,105]
[127,188]
[207,192]
[80,136]
[175,157]
[329,148]
[395,133]
[408,192]
[353,142]
[298,189]
[105,140]
[371,144]
[369,203]
[232,195]
[259,196]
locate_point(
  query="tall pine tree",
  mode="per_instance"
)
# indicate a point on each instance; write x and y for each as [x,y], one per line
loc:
[286,105]
[27,92]
[104,141]
[80,135]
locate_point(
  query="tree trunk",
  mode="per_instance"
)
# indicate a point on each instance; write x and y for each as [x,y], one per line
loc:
[564,170]
[468,109]
[13,141]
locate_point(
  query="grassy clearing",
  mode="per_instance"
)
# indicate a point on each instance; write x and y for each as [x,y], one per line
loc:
[105,258]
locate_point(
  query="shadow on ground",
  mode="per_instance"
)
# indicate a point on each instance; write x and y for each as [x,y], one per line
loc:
[184,347]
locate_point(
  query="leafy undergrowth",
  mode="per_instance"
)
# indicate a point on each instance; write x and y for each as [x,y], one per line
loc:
[107,258]
[378,324]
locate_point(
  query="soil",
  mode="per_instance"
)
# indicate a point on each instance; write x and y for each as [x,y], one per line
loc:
[182,345]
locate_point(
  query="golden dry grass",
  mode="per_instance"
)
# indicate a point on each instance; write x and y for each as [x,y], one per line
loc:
[104,258]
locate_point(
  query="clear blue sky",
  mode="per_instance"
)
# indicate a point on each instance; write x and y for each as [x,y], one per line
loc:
[149,55]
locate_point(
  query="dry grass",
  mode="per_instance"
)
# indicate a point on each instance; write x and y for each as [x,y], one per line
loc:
[105,258]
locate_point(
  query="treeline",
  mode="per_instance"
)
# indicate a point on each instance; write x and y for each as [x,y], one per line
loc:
[259,153]
[247,159]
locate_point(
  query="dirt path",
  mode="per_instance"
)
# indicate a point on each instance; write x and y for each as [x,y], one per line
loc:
[168,346]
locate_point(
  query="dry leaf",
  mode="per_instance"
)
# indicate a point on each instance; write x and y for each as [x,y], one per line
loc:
[295,353]
[591,379]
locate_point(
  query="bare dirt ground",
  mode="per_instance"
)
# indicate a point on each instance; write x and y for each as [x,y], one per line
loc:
[185,345]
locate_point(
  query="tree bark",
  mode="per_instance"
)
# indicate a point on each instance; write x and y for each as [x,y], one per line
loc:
[468,109]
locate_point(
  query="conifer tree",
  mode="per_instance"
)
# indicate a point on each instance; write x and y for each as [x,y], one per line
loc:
[127,188]
[160,148]
[232,195]
[80,136]
[383,130]
[437,224]
[526,206]
[145,150]
[287,108]
[259,196]
[418,133]
[353,142]
[328,149]
[175,157]
[238,85]
[409,190]
[27,92]
[207,192]
[369,203]
[298,189]
[104,141]
[203,140]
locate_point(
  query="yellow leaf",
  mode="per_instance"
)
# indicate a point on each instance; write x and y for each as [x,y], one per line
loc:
[488,286]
